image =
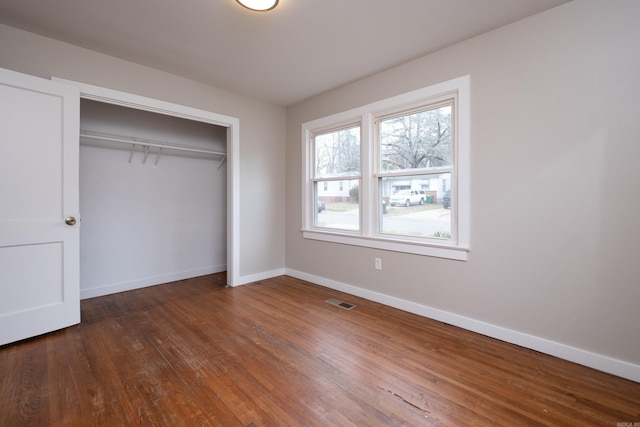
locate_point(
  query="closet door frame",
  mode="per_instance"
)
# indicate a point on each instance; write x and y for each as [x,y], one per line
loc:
[124,99]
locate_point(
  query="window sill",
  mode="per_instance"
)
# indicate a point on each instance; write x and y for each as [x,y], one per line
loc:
[418,248]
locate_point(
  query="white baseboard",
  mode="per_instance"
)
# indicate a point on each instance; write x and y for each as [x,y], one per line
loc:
[243,280]
[586,358]
[148,281]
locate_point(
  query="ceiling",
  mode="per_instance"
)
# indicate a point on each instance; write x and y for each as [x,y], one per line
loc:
[300,49]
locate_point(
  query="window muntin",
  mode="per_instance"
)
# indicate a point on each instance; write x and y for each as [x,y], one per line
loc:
[446,176]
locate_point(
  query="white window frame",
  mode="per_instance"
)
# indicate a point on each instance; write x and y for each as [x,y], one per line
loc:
[368,236]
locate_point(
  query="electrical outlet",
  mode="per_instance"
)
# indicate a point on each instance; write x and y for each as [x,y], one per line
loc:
[378,263]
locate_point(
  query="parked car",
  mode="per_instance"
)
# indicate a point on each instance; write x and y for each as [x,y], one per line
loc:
[407,197]
[446,199]
[320,206]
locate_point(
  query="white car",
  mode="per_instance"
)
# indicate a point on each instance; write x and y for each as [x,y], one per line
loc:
[407,197]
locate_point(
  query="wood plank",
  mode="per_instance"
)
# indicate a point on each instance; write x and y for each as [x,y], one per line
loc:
[194,352]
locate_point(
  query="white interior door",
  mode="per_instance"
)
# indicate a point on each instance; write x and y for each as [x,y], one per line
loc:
[39,251]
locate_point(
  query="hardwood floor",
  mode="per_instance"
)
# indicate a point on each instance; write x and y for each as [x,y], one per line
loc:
[194,353]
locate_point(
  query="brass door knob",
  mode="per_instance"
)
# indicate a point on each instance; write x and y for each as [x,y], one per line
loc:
[70,220]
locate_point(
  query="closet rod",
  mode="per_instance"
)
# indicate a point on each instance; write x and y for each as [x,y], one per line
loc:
[145,142]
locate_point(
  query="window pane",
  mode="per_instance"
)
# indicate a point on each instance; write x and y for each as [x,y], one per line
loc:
[416,206]
[337,153]
[336,207]
[417,140]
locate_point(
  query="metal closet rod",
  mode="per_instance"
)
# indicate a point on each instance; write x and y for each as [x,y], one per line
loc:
[145,142]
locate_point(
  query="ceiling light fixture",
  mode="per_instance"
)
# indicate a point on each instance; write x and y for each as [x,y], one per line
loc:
[259,5]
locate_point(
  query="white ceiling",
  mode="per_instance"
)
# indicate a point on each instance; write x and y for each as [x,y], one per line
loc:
[300,49]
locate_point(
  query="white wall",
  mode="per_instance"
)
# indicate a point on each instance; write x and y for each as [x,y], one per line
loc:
[262,127]
[555,236]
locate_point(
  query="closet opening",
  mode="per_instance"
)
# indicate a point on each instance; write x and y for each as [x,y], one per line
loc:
[158,192]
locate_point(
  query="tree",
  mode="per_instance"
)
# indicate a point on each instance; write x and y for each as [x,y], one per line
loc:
[354,194]
[338,152]
[417,140]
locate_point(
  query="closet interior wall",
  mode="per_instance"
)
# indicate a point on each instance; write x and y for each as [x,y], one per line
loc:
[149,216]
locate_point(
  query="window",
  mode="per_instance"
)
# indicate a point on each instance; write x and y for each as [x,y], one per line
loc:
[336,156]
[395,173]
[415,155]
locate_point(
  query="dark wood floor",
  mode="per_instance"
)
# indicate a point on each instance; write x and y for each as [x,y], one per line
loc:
[194,353]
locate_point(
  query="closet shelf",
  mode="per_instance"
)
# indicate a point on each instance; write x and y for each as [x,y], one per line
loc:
[146,143]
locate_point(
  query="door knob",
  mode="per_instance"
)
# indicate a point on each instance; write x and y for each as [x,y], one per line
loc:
[70,220]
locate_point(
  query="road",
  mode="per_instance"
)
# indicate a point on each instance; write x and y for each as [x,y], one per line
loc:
[423,223]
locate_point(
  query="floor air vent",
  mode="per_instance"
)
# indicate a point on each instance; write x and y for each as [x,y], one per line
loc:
[341,304]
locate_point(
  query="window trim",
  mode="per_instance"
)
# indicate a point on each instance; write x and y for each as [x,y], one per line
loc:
[365,116]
